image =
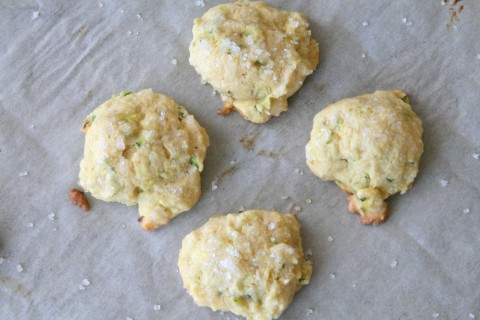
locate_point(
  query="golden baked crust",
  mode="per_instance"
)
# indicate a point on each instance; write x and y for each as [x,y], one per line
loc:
[143,148]
[254,55]
[370,146]
[251,263]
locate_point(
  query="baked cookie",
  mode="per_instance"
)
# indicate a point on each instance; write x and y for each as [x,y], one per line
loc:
[370,146]
[254,55]
[251,263]
[143,148]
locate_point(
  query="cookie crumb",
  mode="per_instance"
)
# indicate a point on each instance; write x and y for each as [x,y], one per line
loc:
[364,23]
[174,61]
[35,15]
[471,316]
[330,238]
[364,55]
[100,5]
[78,198]
[30,224]
[284,197]
[32,126]
[200,3]
[435,315]
[19,268]
[85,282]
[393,264]
[404,20]
[308,201]
[81,287]
[298,208]
[466,210]
[444,183]
[332,276]
[476,155]
[51,216]
[157,307]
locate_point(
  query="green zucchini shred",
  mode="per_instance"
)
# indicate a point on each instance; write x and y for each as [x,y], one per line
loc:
[192,161]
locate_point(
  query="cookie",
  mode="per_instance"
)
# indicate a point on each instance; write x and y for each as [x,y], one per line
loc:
[251,263]
[143,148]
[370,146]
[254,55]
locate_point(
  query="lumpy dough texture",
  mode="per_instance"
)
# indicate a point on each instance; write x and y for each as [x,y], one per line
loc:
[254,55]
[251,263]
[143,148]
[370,146]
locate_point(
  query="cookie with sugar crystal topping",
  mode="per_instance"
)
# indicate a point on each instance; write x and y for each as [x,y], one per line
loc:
[143,148]
[370,146]
[254,55]
[251,263]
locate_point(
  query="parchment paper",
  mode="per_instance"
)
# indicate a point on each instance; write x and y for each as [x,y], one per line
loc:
[61,59]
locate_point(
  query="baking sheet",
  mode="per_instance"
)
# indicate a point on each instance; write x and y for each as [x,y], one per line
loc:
[60,59]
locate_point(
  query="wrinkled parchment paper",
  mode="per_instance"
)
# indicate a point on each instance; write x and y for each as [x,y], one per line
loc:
[61,59]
